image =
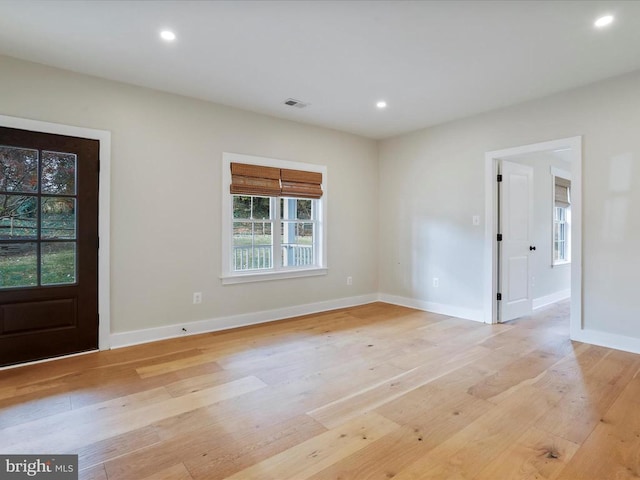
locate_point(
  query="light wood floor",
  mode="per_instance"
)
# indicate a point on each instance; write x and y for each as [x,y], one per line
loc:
[373,392]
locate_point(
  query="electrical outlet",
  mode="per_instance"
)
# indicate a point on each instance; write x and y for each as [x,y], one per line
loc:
[197,297]
[436,282]
[349,280]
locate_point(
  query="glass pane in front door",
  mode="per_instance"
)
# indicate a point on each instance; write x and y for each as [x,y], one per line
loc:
[37,217]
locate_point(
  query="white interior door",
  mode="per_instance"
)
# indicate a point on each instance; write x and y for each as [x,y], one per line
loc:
[516,227]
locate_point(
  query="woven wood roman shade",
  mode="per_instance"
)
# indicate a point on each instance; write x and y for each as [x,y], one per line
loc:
[255,180]
[562,195]
[274,182]
[301,184]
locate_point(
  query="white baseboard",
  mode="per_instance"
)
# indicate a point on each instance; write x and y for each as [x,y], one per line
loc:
[550,299]
[135,337]
[609,340]
[441,308]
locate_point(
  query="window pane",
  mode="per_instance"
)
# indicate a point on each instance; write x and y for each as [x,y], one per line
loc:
[297,244]
[58,263]
[241,206]
[261,208]
[18,170]
[18,217]
[295,209]
[242,234]
[18,265]
[304,209]
[58,217]
[252,245]
[59,173]
[258,208]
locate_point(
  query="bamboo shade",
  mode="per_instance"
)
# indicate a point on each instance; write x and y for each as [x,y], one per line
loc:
[562,192]
[301,184]
[274,182]
[255,180]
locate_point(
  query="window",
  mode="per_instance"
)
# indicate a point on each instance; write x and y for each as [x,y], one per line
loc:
[561,220]
[37,217]
[273,219]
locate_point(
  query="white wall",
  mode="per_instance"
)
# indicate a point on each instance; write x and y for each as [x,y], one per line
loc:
[549,281]
[432,184]
[166,194]
[167,148]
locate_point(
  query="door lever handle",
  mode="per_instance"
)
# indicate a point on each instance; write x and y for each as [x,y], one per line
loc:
[531,248]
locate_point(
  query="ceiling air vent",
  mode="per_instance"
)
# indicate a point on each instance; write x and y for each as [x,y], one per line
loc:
[292,102]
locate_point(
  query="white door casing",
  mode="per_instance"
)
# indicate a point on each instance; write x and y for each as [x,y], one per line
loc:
[516,227]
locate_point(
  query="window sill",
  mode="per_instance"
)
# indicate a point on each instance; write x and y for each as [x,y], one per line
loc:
[559,264]
[266,276]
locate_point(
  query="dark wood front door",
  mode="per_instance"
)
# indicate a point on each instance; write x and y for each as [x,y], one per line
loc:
[48,245]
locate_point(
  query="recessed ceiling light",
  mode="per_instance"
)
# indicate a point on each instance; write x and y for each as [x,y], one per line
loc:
[381,104]
[603,21]
[168,35]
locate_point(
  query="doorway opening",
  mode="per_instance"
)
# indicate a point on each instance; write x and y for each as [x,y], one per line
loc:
[570,151]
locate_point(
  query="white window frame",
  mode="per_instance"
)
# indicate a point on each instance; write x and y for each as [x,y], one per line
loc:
[229,275]
[556,172]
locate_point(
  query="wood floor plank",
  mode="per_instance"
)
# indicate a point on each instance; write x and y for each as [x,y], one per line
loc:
[313,455]
[571,370]
[612,450]
[365,400]
[96,472]
[435,396]
[31,407]
[428,415]
[435,414]
[535,455]
[176,472]
[525,369]
[479,443]
[199,382]
[27,434]
[380,460]
[116,446]
[174,365]
[591,393]
[241,449]
[580,411]
[112,421]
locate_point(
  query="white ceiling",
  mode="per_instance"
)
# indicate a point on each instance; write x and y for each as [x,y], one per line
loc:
[432,61]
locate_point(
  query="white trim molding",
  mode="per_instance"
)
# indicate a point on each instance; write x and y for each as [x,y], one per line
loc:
[555,297]
[260,277]
[490,248]
[136,337]
[609,340]
[228,276]
[104,216]
[477,315]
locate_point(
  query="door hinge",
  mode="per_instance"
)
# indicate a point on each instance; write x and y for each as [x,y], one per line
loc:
[499,296]
[499,237]
[499,177]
